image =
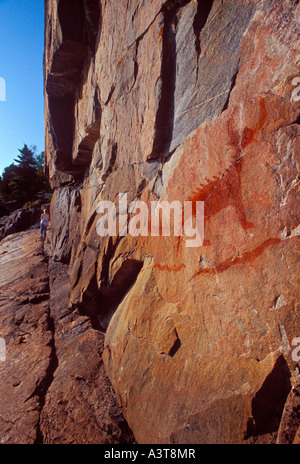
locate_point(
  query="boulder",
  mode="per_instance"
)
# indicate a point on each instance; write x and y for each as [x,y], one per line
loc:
[19,221]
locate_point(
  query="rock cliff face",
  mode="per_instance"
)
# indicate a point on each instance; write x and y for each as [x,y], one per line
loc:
[26,328]
[54,388]
[180,100]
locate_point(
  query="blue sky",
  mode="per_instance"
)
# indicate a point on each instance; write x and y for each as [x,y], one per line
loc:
[21,66]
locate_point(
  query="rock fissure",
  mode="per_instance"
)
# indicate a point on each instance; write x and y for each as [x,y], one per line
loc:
[203,11]
[233,82]
[45,384]
[165,112]
[268,403]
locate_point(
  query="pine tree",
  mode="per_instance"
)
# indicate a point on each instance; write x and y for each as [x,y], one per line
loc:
[26,160]
[25,182]
[6,184]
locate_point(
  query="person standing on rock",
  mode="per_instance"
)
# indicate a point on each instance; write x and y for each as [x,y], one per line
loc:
[44,223]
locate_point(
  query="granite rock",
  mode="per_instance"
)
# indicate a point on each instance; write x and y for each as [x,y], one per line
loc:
[183,101]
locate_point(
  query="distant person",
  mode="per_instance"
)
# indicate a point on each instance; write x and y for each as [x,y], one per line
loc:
[44,221]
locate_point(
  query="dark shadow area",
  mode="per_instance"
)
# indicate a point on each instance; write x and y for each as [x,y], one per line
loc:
[92,26]
[233,82]
[268,403]
[80,26]
[112,295]
[164,123]
[86,146]
[79,20]
[62,115]
[175,347]
[112,160]
[71,18]
[203,10]
[100,304]
[297,121]
[165,113]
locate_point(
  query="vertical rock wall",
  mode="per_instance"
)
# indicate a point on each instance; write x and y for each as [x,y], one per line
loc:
[182,100]
[26,328]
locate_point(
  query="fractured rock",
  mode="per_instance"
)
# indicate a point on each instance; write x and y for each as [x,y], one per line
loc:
[183,101]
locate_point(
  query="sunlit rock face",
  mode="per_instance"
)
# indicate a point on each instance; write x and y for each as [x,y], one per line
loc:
[182,101]
[25,329]
[52,373]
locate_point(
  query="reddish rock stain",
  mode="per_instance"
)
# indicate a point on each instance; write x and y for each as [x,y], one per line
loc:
[121,61]
[223,192]
[219,193]
[174,268]
[247,258]
[248,136]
